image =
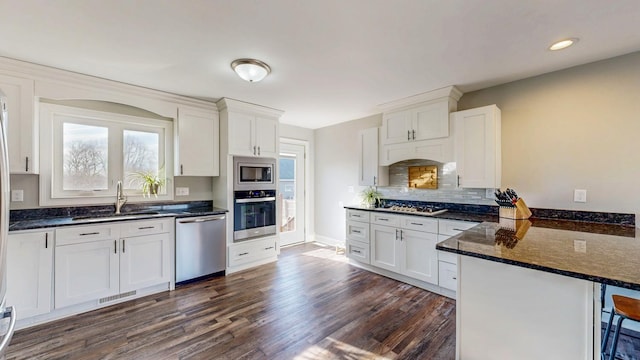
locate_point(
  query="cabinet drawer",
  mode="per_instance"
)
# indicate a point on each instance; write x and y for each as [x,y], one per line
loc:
[419,224]
[358,231]
[249,252]
[358,251]
[385,219]
[145,227]
[448,275]
[89,233]
[358,215]
[454,227]
[448,257]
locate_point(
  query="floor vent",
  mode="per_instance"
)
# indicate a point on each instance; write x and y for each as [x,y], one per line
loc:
[116,297]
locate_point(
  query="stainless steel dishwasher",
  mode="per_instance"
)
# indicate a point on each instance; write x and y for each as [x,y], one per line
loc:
[201,246]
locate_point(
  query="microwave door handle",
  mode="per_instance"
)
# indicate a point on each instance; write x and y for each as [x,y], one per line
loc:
[255,200]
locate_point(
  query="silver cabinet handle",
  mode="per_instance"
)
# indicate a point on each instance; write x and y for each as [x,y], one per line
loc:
[414,134]
[383,219]
[417,224]
[123,240]
[254,200]
[243,254]
[202,219]
[9,312]
[354,215]
[46,240]
[408,135]
[90,233]
[258,150]
[374,180]
[146,227]
[400,235]
[254,150]
[356,231]
[356,251]
[458,180]
[454,278]
[269,248]
[181,169]
[115,246]
[396,234]
[26,168]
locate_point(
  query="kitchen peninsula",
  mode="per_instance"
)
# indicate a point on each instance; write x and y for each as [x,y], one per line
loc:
[537,296]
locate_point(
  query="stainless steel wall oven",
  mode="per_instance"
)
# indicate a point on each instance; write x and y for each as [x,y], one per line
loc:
[254,214]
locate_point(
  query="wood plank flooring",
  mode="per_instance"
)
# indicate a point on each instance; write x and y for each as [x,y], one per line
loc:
[309,305]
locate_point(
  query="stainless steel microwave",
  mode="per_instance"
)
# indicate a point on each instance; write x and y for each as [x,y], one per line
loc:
[254,173]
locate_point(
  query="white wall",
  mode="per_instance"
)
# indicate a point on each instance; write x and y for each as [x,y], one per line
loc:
[336,167]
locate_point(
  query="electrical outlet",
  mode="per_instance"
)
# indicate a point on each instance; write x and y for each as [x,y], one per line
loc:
[17,195]
[490,194]
[182,191]
[351,190]
[580,195]
[580,246]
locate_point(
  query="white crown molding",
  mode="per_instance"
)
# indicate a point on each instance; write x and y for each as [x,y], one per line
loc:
[241,106]
[450,92]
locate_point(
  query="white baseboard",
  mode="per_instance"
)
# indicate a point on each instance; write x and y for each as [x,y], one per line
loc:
[327,240]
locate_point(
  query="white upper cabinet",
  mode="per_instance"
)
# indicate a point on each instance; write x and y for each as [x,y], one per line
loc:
[418,127]
[370,173]
[197,134]
[478,147]
[252,130]
[21,129]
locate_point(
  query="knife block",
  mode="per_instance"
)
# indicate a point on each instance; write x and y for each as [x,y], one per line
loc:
[518,212]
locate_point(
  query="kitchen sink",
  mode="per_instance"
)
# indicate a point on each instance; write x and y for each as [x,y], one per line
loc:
[127,215]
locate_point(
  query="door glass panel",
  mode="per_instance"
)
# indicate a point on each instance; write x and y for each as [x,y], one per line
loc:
[85,157]
[288,192]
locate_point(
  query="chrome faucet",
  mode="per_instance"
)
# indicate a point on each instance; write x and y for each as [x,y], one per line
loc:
[120,198]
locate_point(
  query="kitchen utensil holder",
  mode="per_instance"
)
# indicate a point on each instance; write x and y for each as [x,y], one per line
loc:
[519,211]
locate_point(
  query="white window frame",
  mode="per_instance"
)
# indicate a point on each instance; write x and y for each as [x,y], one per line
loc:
[52,117]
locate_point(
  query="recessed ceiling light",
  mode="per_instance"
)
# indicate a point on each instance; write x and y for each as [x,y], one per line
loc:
[251,70]
[563,44]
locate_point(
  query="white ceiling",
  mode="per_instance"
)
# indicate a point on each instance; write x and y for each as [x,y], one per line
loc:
[331,60]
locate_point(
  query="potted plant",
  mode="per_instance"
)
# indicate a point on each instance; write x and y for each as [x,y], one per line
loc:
[371,197]
[149,182]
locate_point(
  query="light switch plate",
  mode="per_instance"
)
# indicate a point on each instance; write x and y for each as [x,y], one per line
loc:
[17,195]
[182,191]
[580,195]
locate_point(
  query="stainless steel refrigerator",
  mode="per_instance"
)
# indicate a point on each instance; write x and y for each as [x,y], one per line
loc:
[6,312]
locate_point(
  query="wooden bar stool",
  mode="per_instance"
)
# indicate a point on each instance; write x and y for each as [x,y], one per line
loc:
[625,308]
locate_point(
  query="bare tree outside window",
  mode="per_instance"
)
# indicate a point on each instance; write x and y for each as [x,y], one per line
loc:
[141,154]
[85,159]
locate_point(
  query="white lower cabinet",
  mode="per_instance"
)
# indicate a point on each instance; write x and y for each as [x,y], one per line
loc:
[86,271]
[30,272]
[252,251]
[96,261]
[407,252]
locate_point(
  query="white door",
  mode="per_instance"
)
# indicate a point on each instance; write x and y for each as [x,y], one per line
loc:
[385,247]
[420,255]
[291,193]
[144,261]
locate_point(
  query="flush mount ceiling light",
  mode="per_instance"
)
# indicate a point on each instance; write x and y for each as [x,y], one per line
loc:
[563,44]
[250,69]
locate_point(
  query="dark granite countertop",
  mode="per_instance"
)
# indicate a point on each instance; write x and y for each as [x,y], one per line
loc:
[596,252]
[77,217]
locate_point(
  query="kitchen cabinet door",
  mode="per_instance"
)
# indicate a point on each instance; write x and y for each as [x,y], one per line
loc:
[385,247]
[144,261]
[396,127]
[370,173]
[430,121]
[478,147]
[22,136]
[197,134]
[30,272]
[85,272]
[267,137]
[241,134]
[419,255]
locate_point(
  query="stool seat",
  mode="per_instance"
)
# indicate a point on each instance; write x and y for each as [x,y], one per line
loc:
[627,307]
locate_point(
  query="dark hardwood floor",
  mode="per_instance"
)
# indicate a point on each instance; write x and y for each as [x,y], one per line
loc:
[309,305]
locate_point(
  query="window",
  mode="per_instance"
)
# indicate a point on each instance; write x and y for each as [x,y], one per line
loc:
[85,152]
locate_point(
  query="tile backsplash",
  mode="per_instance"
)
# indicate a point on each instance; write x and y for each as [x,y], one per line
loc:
[447,190]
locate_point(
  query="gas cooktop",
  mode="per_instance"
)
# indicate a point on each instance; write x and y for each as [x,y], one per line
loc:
[420,210]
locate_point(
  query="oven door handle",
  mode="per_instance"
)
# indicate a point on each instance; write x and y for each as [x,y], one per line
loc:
[255,200]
